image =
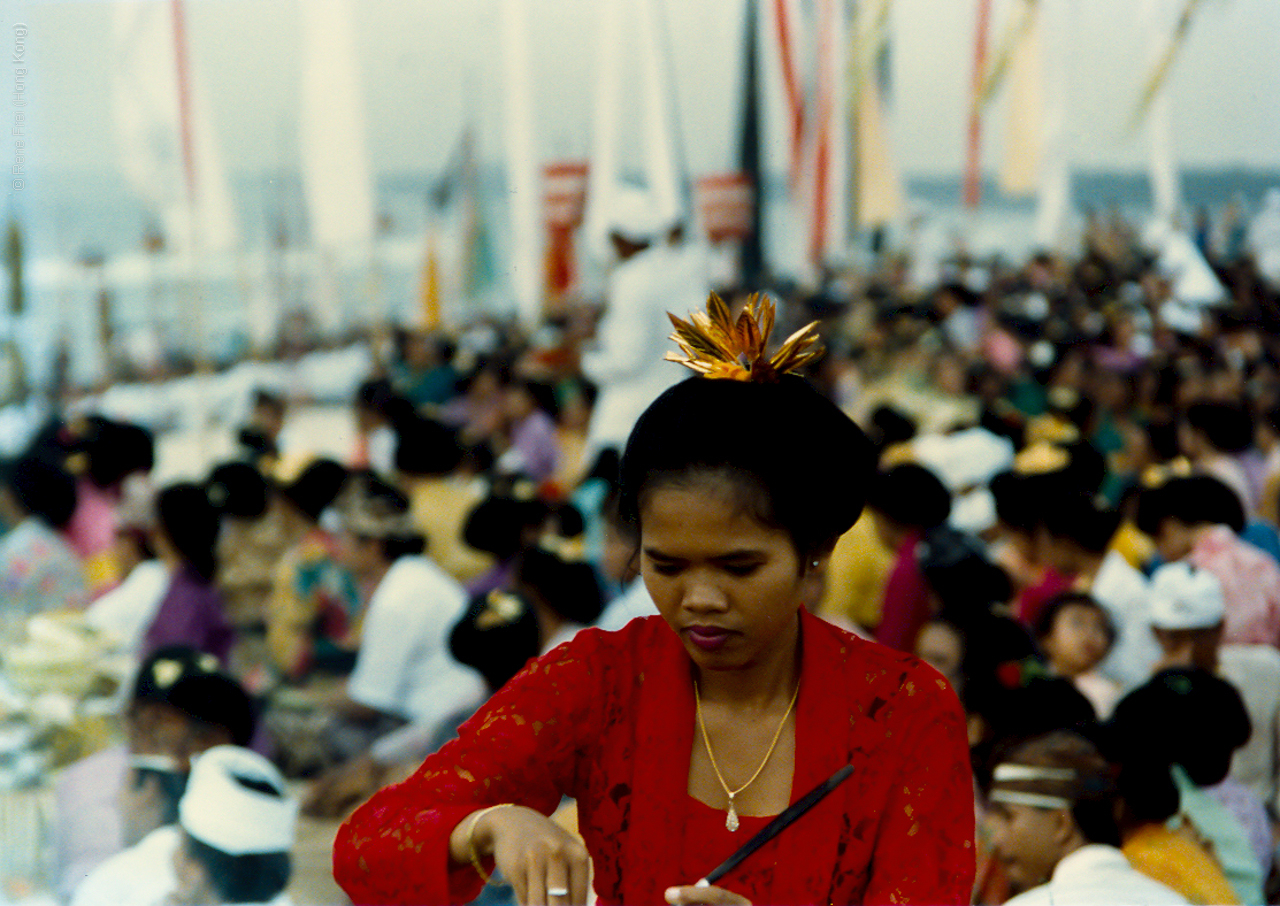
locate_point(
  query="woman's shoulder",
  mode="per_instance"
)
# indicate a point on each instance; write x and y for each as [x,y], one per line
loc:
[638,638]
[876,675]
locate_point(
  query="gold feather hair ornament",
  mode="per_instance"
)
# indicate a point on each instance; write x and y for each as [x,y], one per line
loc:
[716,346]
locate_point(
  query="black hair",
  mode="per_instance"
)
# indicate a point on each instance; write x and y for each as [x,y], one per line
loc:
[803,465]
[500,643]
[171,785]
[1015,506]
[1017,701]
[911,496]
[42,489]
[1151,721]
[191,524]
[955,566]
[249,878]
[890,426]
[238,489]
[1078,518]
[316,488]
[497,525]
[1192,500]
[1146,736]
[117,450]
[1228,427]
[1049,614]
[198,689]
[426,447]
[570,588]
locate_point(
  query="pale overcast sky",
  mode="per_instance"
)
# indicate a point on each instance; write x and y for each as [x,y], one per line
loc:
[425,63]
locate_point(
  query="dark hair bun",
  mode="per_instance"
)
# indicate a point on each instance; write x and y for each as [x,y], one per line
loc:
[812,461]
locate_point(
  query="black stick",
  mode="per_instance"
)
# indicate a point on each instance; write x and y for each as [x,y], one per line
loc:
[777,825]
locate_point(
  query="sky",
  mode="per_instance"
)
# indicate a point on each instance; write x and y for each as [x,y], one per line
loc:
[429,66]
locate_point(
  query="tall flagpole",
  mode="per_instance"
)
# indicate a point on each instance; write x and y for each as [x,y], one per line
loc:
[973,160]
[752,264]
[182,63]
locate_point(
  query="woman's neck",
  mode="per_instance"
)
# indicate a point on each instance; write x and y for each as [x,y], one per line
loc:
[769,681]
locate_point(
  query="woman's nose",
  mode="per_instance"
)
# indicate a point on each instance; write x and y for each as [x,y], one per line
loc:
[703,595]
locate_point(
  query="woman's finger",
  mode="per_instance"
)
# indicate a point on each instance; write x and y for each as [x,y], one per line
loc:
[557,874]
[579,878]
[535,877]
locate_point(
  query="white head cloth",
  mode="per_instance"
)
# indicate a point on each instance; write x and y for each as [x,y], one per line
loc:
[1183,597]
[221,812]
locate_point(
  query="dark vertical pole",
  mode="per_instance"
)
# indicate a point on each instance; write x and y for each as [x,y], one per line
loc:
[752,264]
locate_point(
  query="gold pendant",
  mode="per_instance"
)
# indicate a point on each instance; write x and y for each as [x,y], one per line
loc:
[731,820]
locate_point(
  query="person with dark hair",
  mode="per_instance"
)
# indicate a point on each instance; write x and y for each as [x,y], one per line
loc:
[681,735]
[114,459]
[259,438]
[313,610]
[180,705]
[1213,435]
[1075,632]
[1166,770]
[253,535]
[529,445]
[1192,519]
[430,468]
[1052,824]
[497,636]
[377,410]
[510,518]
[562,588]
[1186,617]
[1075,540]
[906,503]
[237,825]
[185,539]
[403,672]
[39,571]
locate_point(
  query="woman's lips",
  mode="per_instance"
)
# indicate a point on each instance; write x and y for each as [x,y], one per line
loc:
[708,638]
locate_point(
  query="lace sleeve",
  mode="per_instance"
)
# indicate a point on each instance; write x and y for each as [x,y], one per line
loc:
[529,744]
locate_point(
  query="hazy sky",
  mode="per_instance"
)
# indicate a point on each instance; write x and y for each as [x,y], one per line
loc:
[426,64]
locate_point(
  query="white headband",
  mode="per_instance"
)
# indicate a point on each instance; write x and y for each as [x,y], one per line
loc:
[1035,800]
[221,812]
[1014,773]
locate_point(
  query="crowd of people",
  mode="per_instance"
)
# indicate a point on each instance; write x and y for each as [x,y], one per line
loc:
[1073,519]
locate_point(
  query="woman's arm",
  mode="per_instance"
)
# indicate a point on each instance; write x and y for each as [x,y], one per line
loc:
[924,850]
[525,746]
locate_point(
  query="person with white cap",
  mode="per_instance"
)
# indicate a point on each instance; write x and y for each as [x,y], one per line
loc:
[649,278]
[1187,617]
[236,826]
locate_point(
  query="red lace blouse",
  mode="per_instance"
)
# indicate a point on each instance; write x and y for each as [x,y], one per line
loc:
[609,719]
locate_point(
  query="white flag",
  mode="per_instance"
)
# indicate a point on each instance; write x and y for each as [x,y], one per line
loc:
[187,189]
[335,163]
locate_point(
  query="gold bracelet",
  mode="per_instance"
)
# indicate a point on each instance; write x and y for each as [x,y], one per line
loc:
[471,843]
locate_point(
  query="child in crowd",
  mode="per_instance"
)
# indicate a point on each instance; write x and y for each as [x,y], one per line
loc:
[1075,633]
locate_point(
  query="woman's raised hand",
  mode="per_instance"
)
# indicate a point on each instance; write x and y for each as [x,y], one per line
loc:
[547,865]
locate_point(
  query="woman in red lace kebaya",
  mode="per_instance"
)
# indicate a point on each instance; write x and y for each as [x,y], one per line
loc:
[682,734]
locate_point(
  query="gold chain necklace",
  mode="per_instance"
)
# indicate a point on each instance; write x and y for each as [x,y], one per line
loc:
[731,820]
